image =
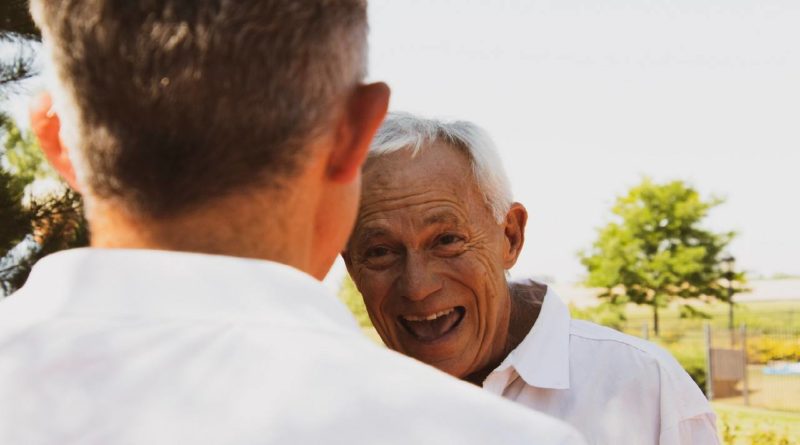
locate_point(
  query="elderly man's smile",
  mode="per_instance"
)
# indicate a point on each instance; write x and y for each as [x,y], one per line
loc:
[434,326]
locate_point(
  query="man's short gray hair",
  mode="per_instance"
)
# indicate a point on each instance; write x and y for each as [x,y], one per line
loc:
[404,131]
[169,104]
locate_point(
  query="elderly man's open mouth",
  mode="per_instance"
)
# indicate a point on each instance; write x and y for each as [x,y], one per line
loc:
[433,326]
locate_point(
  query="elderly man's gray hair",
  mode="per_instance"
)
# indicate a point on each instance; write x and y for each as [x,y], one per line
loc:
[404,131]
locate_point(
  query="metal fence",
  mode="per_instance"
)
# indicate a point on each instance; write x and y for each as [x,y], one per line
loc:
[771,377]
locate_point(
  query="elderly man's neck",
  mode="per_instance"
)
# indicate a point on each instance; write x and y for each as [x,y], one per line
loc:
[255,226]
[526,304]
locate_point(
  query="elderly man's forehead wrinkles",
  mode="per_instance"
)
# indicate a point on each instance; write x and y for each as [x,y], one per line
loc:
[387,199]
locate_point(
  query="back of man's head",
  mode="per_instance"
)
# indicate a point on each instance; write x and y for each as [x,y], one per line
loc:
[172,103]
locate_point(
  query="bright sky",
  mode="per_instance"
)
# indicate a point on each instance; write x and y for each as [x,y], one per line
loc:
[585,97]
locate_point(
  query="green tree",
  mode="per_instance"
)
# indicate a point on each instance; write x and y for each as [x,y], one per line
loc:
[15,19]
[32,226]
[655,249]
[40,225]
[15,224]
[17,31]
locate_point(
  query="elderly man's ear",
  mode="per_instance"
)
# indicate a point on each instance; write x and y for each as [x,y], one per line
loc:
[516,218]
[46,126]
[363,115]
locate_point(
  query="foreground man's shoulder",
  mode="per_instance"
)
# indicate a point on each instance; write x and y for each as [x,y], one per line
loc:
[445,405]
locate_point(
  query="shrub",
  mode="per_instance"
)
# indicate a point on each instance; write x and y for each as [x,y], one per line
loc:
[765,349]
[732,435]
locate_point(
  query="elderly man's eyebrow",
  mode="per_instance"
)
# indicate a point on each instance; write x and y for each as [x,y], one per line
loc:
[367,233]
[441,218]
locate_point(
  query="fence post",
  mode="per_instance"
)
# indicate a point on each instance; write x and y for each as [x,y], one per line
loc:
[709,371]
[745,382]
[645,331]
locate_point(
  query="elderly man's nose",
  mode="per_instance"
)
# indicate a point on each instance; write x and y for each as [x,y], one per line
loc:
[419,281]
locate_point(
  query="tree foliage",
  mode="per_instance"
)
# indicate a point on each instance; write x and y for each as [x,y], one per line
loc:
[19,32]
[15,223]
[15,19]
[16,30]
[655,250]
[34,225]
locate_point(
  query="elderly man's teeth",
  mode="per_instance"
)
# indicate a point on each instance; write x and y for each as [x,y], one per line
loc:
[428,317]
[427,328]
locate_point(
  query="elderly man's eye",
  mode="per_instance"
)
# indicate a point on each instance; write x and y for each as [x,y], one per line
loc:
[448,239]
[379,257]
[449,244]
[376,252]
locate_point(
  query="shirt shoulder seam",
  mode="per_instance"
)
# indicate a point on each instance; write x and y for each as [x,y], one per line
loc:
[614,340]
[653,355]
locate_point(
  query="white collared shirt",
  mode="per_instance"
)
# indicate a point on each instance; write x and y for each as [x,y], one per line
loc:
[150,347]
[614,388]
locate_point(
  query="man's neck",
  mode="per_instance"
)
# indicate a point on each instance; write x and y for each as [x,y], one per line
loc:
[228,227]
[526,303]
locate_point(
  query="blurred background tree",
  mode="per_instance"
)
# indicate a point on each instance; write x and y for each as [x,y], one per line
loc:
[37,218]
[45,215]
[14,18]
[15,224]
[18,33]
[655,251]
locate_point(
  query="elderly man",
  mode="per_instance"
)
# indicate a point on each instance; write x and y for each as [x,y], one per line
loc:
[436,232]
[219,147]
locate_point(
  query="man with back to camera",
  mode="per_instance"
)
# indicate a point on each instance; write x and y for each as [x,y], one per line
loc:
[218,146]
[436,232]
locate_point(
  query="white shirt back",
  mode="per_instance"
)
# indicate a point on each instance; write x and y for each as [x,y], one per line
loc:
[130,347]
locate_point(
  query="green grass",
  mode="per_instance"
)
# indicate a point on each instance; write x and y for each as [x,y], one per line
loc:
[743,425]
[768,316]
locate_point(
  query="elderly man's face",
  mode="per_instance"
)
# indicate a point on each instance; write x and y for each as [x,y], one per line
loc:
[430,259]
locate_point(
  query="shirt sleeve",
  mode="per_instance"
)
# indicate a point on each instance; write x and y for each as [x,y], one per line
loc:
[698,430]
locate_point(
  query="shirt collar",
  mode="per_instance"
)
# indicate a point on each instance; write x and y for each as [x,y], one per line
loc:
[179,285]
[542,358]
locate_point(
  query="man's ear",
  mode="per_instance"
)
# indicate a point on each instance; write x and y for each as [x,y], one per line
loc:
[516,219]
[46,126]
[363,115]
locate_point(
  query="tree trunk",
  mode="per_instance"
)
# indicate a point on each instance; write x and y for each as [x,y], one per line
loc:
[655,319]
